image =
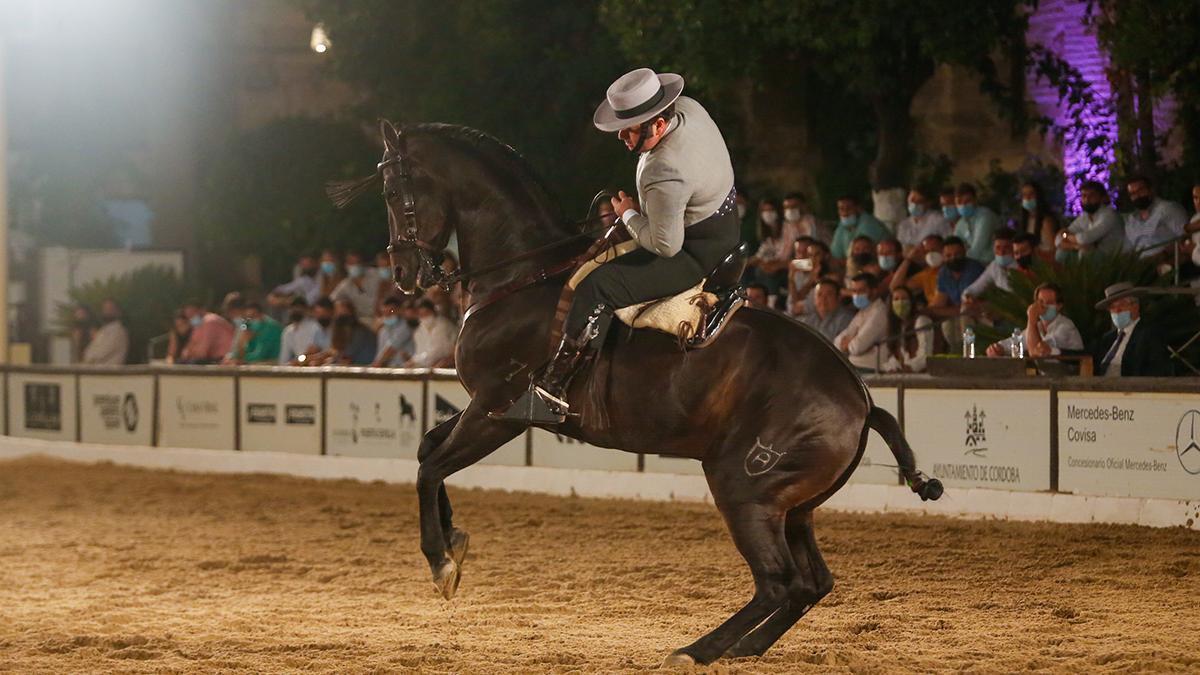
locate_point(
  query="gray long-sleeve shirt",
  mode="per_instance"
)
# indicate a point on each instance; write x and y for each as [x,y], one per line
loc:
[683,180]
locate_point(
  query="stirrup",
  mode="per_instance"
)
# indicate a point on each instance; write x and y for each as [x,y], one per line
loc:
[535,406]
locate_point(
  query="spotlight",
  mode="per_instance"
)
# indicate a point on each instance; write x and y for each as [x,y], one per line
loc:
[319,41]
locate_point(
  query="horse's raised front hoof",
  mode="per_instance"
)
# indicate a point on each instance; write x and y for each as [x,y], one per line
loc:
[679,659]
[459,541]
[445,579]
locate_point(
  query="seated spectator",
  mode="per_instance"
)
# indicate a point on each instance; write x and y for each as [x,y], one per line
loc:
[862,258]
[829,316]
[1098,228]
[177,337]
[909,336]
[1153,221]
[233,307]
[1134,348]
[748,220]
[83,324]
[395,337]
[350,342]
[947,201]
[331,272]
[919,270]
[768,266]
[756,296]
[957,273]
[922,220]
[305,285]
[976,224]
[887,257]
[853,222]
[387,284]
[212,336]
[433,339]
[1048,332]
[1036,218]
[300,336]
[859,341]
[1191,247]
[996,272]
[109,345]
[798,220]
[358,289]
[265,335]
[800,278]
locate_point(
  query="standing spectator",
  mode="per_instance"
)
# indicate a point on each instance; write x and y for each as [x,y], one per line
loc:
[976,224]
[1048,332]
[177,337]
[1153,221]
[300,335]
[305,285]
[433,340]
[996,272]
[829,316]
[331,272]
[1134,348]
[769,264]
[854,222]
[927,260]
[909,336]
[110,343]
[357,289]
[265,335]
[922,220]
[212,336]
[946,200]
[83,324]
[1098,228]
[756,296]
[395,337]
[860,340]
[1036,217]
[798,220]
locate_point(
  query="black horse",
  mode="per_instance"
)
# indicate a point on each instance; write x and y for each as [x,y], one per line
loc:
[776,416]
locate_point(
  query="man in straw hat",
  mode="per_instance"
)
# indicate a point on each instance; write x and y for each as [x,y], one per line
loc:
[1135,347]
[686,224]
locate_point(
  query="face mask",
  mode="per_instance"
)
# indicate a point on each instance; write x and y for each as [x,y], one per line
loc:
[355,271]
[901,308]
[861,259]
[915,210]
[328,268]
[324,321]
[1143,203]
[933,258]
[848,220]
[770,217]
[887,262]
[957,264]
[1050,314]
[950,212]
[295,317]
[741,211]
[1121,319]
[1005,260]
[966,210]
[1091,208]
[196,320]
[861,301]
[1025,261]
[309,271]
[791,215]
[384,273]
[1029,204]
[391,321]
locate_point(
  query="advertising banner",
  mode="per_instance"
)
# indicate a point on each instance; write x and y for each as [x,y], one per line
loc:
[280,414]
[42,406]
[373,418]
[116,409]
[1129,445]
[981,438]
[445,398]
[878,464]
[196,411]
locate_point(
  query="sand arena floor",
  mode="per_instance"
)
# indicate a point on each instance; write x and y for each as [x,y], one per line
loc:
[113,569]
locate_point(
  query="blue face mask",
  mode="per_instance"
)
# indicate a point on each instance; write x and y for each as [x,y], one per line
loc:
[196,320]
[385,273]
[1029,204]
[328,268]
[848,220]
[391,321]
[887,262]
[861,301]
[915,210]
[950,212]
[355,271]
[1005,260]
[1050,314]
[966,210]
[1121,319]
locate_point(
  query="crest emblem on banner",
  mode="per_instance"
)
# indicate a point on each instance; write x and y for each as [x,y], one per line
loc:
[1187,446]
[976,438]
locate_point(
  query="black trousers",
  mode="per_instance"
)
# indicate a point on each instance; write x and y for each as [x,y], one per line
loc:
[640,275]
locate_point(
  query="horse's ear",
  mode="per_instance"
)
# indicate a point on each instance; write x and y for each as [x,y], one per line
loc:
[391,137]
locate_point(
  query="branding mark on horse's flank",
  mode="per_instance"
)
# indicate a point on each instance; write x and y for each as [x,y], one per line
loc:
[761,458]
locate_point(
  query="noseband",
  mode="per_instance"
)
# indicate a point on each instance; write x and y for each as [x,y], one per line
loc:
[429,255]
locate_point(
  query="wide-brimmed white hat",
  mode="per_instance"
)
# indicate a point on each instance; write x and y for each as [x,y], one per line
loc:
[636,97]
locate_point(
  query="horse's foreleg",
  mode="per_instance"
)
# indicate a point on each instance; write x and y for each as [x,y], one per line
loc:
[471,439]
[432,439]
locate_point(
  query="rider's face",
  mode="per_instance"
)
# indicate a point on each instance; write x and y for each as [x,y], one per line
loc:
[631,135]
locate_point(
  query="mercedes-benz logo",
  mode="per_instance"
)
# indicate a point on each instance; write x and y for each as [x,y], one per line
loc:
[1187,446]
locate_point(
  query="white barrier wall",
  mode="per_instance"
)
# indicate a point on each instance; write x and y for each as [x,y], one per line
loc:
[197,411]
[373,417]
[116,409]
[878,465]
[280,414]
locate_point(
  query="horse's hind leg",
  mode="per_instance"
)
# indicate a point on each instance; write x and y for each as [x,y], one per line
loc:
[811,582]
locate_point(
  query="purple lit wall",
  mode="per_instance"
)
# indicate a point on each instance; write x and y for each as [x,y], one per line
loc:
[1058,25]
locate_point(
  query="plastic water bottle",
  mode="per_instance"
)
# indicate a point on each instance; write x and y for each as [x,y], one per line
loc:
[1016,344]
[968,343]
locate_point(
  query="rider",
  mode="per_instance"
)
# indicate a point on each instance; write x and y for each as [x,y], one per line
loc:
[686,225]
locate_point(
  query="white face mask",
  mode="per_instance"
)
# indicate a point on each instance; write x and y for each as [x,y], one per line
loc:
[791,215]
[770,217]
[741,211]
[933,258]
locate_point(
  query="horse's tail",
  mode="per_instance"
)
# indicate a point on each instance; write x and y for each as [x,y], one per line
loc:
[886,426]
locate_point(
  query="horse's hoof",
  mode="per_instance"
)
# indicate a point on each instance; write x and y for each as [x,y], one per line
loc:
[445,579]
[679,659]
[932,490]
[459,541]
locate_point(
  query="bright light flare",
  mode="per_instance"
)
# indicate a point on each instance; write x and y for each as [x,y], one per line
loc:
[319,41]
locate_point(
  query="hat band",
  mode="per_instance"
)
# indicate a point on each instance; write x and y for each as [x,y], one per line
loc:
[645,107]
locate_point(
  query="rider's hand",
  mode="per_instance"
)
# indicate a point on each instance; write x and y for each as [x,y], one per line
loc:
[622,203]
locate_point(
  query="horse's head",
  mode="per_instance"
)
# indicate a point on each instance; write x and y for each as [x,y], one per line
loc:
[418,232]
